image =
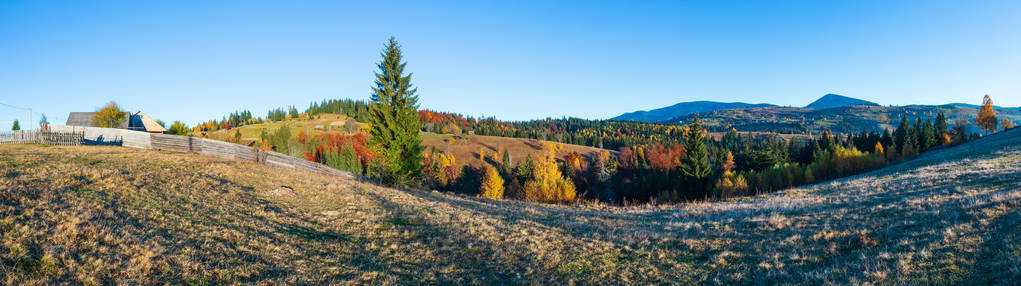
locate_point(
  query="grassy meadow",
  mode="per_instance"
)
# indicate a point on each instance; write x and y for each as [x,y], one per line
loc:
[110,215]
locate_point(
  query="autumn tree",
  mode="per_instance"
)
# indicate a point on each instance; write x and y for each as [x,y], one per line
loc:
[110,116]
[393,115]
[492,184]
[1007,124]
[986,118]
[878,150]
[547,183]
[695,166]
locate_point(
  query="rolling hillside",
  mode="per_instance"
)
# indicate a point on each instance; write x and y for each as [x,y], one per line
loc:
[101,215]
[465,149]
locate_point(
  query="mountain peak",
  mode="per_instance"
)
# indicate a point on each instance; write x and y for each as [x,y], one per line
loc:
[835,100]
[682,109]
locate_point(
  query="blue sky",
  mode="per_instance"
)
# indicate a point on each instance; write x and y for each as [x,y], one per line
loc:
[516,60]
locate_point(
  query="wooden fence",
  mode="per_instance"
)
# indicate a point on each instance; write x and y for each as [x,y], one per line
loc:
[203,146]
[68,138]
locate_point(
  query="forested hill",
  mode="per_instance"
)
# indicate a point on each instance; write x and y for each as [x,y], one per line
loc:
[683,108]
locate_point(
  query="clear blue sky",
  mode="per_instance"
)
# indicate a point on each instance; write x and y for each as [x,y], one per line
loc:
[516,60]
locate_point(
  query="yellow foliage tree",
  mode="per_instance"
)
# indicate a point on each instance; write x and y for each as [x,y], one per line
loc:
[879,149]
[548,184]
[986,118]
[492,184]
[110,116]
[1007,124]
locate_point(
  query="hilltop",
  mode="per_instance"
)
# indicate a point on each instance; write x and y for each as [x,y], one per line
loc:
[119,215]
[835,100]
[682,109]
[846,119]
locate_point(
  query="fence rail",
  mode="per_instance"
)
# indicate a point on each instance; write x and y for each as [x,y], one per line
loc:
[73,135]
[67,138]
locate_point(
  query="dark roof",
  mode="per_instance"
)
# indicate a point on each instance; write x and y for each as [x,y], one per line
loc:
[85,119]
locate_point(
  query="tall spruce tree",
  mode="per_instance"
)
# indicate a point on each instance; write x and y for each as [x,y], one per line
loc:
[900,135]
[695,165]
[941,127]
[393,115]
[928,135]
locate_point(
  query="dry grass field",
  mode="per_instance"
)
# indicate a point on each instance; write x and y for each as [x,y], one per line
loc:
[466,150]
[103,215]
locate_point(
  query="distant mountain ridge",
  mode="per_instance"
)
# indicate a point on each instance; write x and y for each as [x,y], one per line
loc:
[684,108]
[835,100]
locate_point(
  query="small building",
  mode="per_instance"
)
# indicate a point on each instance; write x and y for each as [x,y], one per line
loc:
[137,122]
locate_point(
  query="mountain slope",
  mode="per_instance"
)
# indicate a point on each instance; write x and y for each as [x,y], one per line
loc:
[835,100]
[682,109]
[109,214]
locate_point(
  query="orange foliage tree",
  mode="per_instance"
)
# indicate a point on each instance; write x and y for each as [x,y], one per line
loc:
[986,118]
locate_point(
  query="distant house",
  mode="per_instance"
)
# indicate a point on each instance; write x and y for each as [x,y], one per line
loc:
[138,122]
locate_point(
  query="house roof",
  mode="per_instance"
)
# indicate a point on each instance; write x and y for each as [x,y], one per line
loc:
[142,122]
[85,119]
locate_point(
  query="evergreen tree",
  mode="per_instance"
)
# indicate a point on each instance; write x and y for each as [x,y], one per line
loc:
[928,135]
[393,115]
[900,135]
[43,121]
[16,126]
[505,165]
[916,134]
[940,127]
[695,166]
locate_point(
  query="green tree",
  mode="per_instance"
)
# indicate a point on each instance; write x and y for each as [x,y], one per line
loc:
[900,135]
[237,136]
[928,135]
[393,115]
[43,121]
[179,128]
[695,166]
[16,125]
[940,127]
[344,159]
[109,116]
[505,165]
[280,139]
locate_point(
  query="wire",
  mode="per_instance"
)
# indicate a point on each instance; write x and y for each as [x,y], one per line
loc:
[12,106]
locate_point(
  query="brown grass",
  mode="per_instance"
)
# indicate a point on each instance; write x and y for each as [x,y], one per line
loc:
[466,150]
[98,215]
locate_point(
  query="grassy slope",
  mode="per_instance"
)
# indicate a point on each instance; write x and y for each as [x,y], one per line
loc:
[107,214]
[465,151]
